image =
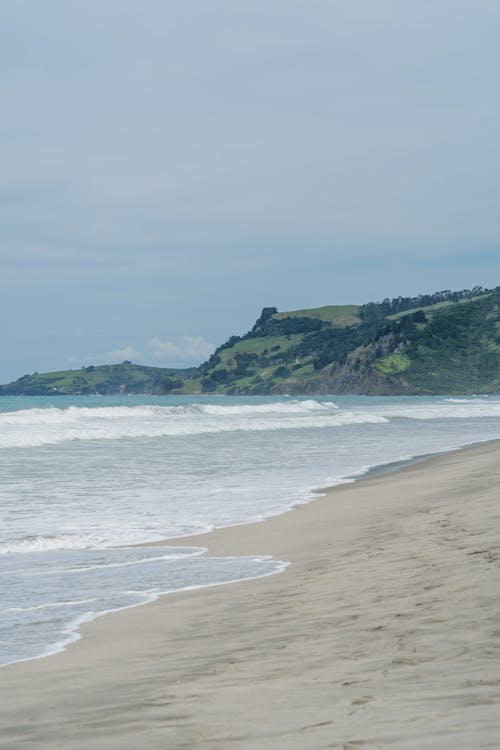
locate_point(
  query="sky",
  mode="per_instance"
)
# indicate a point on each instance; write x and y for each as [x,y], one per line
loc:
[170,167]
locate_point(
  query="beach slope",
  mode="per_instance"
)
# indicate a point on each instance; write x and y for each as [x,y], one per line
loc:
[383,632]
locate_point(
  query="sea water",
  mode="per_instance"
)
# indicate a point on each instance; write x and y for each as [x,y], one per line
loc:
[83,479]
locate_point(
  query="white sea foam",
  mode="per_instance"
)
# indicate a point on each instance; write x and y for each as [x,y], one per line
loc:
[159,558]
[43,543]
[36,427]
[445,409]
[51,605]
[464,400]
[277,407]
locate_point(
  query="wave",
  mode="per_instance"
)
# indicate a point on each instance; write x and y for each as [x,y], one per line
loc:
[446,409]
[51,605]
[277,407]
[51,425]
[36,427]
[122,538]
[76,414]
[46,543]
[464,400]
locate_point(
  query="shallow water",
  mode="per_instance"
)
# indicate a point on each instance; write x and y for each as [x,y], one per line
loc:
[79,476]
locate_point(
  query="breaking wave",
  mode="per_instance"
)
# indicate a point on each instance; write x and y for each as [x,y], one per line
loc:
[35,427]
[52,425]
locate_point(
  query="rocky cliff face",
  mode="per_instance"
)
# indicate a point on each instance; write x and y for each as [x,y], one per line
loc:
[356,375]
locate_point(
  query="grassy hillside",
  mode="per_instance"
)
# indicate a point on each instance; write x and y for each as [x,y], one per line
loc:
[101,379]
[446,342]
[458,349]
[337,315]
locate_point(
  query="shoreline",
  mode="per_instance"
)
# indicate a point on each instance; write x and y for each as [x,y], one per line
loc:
[74,628]
[316,494]
[320,642]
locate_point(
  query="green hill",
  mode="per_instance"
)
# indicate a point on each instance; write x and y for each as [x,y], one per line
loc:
[446,342]
[102,379]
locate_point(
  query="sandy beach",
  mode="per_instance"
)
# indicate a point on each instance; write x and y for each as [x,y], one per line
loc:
[383,632]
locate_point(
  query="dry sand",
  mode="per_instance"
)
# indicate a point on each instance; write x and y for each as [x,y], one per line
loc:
[384,632]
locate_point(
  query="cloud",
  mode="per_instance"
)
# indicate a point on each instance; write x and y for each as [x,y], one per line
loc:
[186,350]
[113,357]
[290,154]
[127,352]
[339,129]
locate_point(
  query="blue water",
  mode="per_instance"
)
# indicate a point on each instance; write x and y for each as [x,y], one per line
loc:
[83,477]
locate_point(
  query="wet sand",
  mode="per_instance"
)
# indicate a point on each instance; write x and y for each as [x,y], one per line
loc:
[383,632]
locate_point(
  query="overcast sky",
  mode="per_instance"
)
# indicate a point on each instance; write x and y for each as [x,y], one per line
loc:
[170,167]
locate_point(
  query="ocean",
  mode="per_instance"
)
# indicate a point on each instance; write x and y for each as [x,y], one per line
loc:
[83,479]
